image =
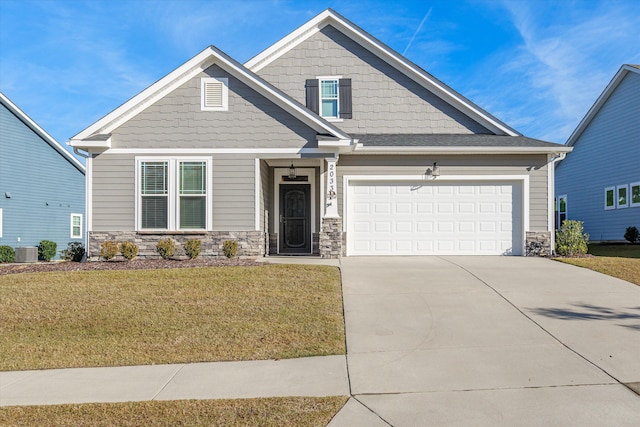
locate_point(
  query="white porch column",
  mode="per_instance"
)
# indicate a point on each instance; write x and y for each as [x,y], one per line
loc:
[331,196]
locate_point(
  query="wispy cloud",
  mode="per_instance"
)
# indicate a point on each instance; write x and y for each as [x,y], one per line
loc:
[568,62]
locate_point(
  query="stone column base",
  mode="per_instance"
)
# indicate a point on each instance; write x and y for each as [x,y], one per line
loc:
[538,243]
[330,237]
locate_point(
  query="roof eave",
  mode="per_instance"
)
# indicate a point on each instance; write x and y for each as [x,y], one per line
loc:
[359,148]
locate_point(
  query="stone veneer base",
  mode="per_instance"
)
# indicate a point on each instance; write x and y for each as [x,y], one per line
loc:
[250,243]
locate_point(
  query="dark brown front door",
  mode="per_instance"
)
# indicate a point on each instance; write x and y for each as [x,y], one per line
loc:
[295,219]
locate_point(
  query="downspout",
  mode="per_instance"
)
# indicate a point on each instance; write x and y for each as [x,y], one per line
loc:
[86,155]
[551,190]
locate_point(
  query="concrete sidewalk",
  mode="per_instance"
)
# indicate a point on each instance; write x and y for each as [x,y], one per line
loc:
[312,376]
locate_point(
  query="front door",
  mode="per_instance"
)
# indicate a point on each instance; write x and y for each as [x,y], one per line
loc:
[295,219]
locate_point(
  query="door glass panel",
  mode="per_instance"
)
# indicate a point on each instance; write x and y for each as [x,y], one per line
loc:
[294,204]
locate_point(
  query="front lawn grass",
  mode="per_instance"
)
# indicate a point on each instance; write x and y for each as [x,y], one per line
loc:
[140,317]
[620,250]
[623,268]
[283,411]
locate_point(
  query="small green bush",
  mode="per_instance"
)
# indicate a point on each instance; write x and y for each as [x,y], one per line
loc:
[108,249]
[74,252]
[631,234]
[7,254]
[166,248]
[47,250]
[230,248]
[192,248]
[129,250]
[571,239]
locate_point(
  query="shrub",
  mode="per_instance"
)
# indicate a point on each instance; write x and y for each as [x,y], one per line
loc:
[192,248]
[129,250]
[74,252]
[166,248]
[571,239]
[7,254]
[108,249]
[47,250]
[230,248]
[631,234]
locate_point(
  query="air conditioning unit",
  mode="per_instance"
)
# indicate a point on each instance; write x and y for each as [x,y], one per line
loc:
[27,254]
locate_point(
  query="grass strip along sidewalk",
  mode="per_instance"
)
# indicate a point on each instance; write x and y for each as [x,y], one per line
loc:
[139,317]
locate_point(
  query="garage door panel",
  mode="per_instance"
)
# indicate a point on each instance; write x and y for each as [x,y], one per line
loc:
[434,218]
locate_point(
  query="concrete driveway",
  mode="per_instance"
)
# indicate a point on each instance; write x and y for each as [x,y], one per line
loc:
[459,341]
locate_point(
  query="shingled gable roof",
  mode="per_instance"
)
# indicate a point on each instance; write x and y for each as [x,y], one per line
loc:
[602,99]
[413,71]
[98,133]
[41,132]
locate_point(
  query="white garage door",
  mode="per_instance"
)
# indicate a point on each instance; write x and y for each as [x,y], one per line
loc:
[435,218]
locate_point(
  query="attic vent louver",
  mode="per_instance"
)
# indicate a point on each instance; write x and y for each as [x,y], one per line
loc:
[215,94]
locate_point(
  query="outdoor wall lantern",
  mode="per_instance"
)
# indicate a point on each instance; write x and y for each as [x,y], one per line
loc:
[292,172]
[434,171]
[331,195]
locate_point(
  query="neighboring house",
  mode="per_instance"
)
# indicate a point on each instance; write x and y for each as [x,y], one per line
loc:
[41,184]
[326,143]
[599,182]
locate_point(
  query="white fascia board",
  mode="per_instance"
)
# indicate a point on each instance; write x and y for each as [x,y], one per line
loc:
[359,148]
[602,99]
[41,132]
[328,17]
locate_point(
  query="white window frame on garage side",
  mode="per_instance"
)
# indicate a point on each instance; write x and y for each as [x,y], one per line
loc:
[173,191]
[634,203]
[608,207]
[214,83]
[625,204]
[475,178]
[561,212]
[73,235]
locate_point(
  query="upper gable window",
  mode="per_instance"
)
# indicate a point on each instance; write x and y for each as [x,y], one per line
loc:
[329,97]
[215,94]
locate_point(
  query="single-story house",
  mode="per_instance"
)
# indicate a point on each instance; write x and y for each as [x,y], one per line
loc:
[41,184]
[599,182]
[327,143]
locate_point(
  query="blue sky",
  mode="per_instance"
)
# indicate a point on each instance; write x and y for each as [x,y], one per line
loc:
[537,65]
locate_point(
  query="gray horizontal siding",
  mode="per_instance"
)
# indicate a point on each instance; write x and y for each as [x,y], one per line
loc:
[384,99]
[176,120]
[459,165]
[114,193]
[607,154]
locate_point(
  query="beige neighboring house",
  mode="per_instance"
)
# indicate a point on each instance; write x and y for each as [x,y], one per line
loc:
[327,143]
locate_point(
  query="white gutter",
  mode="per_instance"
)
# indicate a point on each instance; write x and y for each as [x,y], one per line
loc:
[551,183]
[460,150]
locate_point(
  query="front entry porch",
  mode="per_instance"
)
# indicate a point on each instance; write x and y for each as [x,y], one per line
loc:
[300,207]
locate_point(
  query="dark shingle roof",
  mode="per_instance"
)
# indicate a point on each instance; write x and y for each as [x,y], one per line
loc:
[439,140]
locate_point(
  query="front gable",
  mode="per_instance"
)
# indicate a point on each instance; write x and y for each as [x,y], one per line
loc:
[248,120]
[390,93]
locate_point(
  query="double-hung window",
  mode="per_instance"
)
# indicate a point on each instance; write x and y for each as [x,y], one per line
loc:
[76,226]
[329,98]
[173,194]
[193,194]
[154,192]
[609,198]
[635,194]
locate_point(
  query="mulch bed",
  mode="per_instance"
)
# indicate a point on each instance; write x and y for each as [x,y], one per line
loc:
[136,264]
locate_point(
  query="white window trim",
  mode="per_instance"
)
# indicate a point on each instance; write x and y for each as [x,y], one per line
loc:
[633,205]
[608,208]
[0,222]
[566,208]
[329,119]
[172,194]
[618,188]
[71,235]
[225,93]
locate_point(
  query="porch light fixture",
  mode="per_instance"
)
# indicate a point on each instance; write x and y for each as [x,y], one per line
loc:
[292,172]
